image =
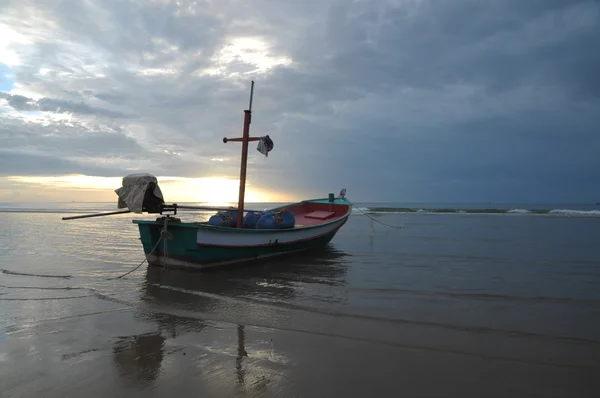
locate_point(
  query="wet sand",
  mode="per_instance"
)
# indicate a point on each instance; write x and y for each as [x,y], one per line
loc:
[380,312]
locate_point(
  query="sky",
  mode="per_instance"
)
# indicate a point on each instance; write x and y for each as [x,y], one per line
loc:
[394,100]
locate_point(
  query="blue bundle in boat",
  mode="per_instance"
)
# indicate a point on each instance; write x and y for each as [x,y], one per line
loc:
[265,220]
[224,219]
[276,220]
[289,220]
[250,220]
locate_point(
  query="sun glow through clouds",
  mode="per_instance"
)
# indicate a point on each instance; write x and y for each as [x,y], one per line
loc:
[249,51]
[174,189]
[9,38]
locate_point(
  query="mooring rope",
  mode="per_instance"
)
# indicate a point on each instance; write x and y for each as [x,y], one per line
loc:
[164,237]
[143,261]
[374,219]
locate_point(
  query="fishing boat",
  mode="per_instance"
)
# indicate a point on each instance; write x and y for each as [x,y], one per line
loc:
[232,235]
[202,245]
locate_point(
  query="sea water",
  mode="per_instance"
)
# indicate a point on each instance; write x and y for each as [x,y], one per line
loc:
[407,300]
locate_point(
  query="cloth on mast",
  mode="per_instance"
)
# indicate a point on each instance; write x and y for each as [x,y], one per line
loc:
[140,192]
[265,145]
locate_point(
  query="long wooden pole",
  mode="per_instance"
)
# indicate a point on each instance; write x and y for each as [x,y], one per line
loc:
[97,215]
[245,137]
[208,208]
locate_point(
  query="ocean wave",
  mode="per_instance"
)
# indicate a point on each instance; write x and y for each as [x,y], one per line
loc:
[490,211]
[359,209]
[575,212]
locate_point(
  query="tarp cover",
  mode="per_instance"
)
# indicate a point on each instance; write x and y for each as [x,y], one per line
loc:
[133,191]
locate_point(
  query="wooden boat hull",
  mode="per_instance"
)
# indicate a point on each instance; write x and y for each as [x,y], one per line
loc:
[199,245]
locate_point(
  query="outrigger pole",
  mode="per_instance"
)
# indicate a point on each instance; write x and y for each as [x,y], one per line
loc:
[244,140]
[112,213]
[173,207]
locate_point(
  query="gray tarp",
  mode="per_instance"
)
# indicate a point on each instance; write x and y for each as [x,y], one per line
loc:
[131,194]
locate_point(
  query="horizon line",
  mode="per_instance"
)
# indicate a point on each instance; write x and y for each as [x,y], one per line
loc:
[360,201]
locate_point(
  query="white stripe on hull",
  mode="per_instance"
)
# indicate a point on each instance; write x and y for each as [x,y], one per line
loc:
[216,237]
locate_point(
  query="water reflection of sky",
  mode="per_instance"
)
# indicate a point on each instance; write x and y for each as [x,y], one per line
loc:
[181,340]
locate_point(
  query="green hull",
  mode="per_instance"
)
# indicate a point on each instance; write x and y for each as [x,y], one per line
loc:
[183,249]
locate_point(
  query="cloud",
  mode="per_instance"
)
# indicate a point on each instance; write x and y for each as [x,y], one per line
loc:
[392,99]
[22,103]
[23,163]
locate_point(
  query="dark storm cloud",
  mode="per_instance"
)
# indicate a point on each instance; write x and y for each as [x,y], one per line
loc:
[16,163]
[73,141]
[22,103]
[394,100]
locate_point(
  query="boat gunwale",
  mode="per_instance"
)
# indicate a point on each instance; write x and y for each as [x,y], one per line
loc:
[204,225]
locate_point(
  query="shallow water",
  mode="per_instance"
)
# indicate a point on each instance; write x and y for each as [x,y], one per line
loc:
[448,305]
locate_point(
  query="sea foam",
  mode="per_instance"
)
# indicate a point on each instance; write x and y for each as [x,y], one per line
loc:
[518,211]
[575,212]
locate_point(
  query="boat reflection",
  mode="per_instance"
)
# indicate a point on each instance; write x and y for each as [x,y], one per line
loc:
[241,353]
[139,357]
[168,291]
[275,278]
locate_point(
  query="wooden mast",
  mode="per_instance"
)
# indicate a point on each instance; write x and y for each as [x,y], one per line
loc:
[244,140]
[247,117]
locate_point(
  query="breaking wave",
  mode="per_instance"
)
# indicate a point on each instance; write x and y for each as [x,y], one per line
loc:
[575,212]
[499,211]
